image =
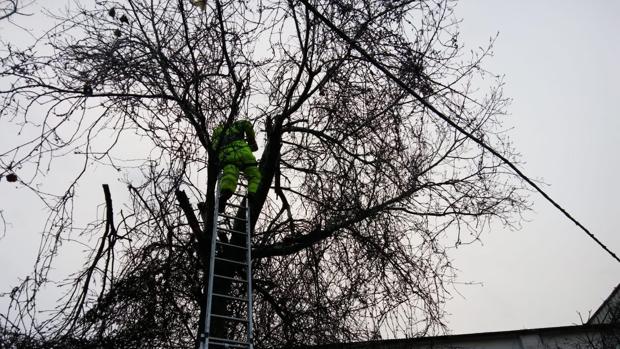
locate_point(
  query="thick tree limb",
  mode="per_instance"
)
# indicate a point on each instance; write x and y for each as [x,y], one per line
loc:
[296,244]
[192,220]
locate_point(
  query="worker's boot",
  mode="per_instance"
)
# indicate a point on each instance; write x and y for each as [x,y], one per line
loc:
[224,196]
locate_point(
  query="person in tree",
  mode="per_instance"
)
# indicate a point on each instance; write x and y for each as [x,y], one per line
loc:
[235,144]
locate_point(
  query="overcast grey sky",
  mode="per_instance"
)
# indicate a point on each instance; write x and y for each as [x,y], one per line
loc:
[559,59]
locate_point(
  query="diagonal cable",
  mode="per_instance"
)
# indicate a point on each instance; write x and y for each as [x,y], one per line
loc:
[353,43]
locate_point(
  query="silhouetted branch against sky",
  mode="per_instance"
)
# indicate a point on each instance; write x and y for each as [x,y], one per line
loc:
[8,8]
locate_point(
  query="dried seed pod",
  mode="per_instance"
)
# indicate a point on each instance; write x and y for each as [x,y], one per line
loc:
[11,177]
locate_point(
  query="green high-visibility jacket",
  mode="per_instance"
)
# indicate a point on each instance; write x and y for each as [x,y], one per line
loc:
[238,135]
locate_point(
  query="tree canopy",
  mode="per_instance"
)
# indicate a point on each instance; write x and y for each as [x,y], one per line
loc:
[363,190]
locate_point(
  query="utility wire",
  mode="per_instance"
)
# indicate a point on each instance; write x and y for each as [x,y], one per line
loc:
[425,103]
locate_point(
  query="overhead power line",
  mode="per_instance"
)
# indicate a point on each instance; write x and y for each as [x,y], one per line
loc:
[353,43]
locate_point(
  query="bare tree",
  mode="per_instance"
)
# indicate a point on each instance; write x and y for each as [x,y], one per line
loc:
[363,190]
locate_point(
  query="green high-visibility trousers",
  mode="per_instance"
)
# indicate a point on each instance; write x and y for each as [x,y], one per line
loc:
[236,157]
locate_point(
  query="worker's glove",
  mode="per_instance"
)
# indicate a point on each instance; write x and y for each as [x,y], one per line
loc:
[253,145]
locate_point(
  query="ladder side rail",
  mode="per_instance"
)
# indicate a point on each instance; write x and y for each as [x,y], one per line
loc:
[205,340]
[249,270]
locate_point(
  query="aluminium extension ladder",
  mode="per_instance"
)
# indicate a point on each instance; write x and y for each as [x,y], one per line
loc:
[240,296]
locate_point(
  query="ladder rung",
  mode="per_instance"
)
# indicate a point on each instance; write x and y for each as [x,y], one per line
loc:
[230,261]
[235,194]
[230,230]
[231,245]
[228,344]
[229,297]
[233,205]
[229,318]
[232,217]
[226,340]
[229,278]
